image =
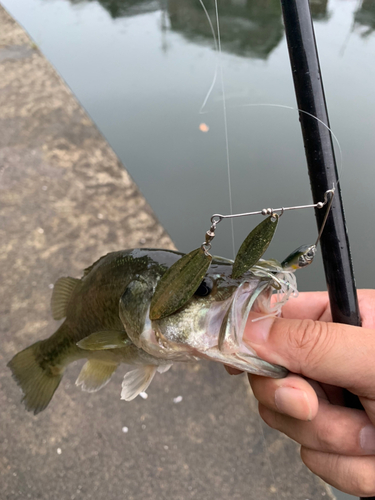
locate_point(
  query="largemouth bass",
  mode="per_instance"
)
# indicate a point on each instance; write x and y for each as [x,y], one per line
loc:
[107,322]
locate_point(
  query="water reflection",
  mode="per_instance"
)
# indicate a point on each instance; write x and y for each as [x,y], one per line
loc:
[364,18]
[319,11]
[125,8]
[249,28]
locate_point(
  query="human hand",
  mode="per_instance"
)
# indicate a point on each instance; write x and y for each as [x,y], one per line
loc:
[337,443]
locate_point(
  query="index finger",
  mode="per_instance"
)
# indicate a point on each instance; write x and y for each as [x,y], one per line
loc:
[308,305]
[315,306]
[336,354]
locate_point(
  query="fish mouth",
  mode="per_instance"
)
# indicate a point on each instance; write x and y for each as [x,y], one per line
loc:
[242,302]
[248,298]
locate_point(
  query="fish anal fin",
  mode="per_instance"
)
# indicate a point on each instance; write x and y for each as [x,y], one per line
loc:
[137,381]
[95,374]
[62,292]
[106,339]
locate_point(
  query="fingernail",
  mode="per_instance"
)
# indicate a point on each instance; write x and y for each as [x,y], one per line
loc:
[293,402]
[367,438]
[257,329]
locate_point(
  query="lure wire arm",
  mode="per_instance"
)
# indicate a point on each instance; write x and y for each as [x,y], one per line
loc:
[216,218]
[332,193]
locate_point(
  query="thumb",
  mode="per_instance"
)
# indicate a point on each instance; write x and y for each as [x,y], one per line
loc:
[332,353]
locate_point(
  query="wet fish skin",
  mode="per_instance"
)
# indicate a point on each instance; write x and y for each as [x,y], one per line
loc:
[107,314]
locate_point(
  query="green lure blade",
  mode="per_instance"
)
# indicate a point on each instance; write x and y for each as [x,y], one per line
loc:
[179,283]
[254,245]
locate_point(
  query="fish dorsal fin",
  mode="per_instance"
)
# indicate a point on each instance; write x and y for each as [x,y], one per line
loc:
[61,294]
[88,269]
[137,381]
[95,374]
[106,339]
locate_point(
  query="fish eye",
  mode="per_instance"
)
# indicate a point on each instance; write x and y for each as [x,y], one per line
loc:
[204,288]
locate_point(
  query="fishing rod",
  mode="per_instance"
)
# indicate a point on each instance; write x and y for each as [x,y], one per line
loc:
[322,168]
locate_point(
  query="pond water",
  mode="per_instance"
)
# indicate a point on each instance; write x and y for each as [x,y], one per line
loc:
[143,71]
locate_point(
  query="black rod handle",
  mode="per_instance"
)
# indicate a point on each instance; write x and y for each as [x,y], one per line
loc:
[321,164]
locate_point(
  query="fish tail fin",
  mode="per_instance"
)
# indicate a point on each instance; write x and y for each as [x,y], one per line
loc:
[38,380]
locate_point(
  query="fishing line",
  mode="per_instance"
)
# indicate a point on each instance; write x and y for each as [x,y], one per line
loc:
[268,458]
[216,50]
[219,66]
[225,122]
[284,106]
[340,167]
[291,108]
[217,43]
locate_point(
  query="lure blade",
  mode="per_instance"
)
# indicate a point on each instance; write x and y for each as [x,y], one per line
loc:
[254,245]
[179,283]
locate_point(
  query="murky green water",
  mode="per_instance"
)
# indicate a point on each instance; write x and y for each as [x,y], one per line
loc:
[143,69]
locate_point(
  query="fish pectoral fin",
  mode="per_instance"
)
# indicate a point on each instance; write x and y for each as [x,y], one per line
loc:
[134,305]
[62,291]
[137,381]
[95,374]
[106,339]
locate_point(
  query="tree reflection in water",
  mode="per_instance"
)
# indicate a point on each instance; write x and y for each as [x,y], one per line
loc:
[365,17]
[250,28]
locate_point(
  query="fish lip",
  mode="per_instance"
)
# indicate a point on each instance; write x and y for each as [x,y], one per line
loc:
[237,353]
